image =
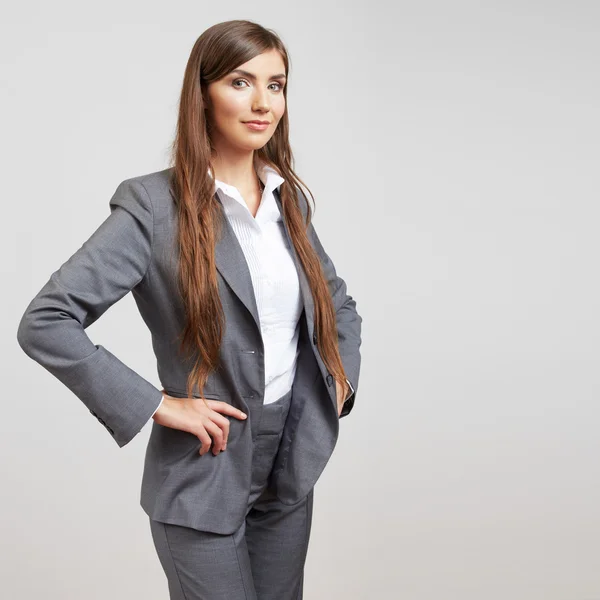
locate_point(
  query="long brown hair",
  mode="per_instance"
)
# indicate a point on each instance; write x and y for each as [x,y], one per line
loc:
[219,50]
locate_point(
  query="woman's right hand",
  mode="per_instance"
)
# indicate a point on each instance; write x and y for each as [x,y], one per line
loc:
[199,416]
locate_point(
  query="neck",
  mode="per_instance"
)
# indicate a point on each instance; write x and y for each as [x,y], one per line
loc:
[238,171]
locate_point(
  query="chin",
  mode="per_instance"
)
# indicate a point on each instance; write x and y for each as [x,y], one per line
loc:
[253,144]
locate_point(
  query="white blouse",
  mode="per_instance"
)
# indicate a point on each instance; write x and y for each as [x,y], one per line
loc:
[274,278]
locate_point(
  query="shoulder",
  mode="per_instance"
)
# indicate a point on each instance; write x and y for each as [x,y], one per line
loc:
[150,190]
[156,183]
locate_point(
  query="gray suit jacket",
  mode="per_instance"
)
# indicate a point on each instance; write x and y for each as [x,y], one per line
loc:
[134,250]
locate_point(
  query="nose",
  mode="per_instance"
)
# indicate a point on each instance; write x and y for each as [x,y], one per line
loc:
[261,100]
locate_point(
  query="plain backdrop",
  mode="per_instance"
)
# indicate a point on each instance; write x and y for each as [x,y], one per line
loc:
[452,148]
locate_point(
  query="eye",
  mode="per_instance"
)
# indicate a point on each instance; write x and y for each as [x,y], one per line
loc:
[279,86]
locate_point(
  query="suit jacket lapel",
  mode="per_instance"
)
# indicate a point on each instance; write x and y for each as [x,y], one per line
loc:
[231,263]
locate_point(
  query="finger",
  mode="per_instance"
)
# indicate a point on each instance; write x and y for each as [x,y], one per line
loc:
[223,423]
[205,441]
[216,433]
[208,416]
[226,409]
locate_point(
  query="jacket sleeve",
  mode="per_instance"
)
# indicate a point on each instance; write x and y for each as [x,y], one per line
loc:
[348,320]
[113,261]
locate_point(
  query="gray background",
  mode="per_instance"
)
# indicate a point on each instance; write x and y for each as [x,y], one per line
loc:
[453,152]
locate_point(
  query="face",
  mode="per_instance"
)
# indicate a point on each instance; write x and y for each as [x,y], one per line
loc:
[237,98]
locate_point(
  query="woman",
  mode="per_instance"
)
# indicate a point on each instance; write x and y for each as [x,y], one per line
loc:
[250,324]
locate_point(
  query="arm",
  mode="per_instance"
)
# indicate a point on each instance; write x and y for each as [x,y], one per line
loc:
[348,320]
[107,266]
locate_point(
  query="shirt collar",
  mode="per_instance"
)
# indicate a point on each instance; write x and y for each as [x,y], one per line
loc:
[269,176]
[268,209]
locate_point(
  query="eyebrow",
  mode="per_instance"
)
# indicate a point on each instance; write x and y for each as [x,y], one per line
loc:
[253,77]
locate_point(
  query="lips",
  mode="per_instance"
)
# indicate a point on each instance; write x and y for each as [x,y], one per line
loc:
[257,125]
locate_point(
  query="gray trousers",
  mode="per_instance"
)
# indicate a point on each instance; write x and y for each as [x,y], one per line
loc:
[264,558]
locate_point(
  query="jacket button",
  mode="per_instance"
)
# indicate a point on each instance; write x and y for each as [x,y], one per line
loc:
[329,378]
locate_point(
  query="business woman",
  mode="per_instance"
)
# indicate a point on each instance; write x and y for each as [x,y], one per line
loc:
[256,338]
